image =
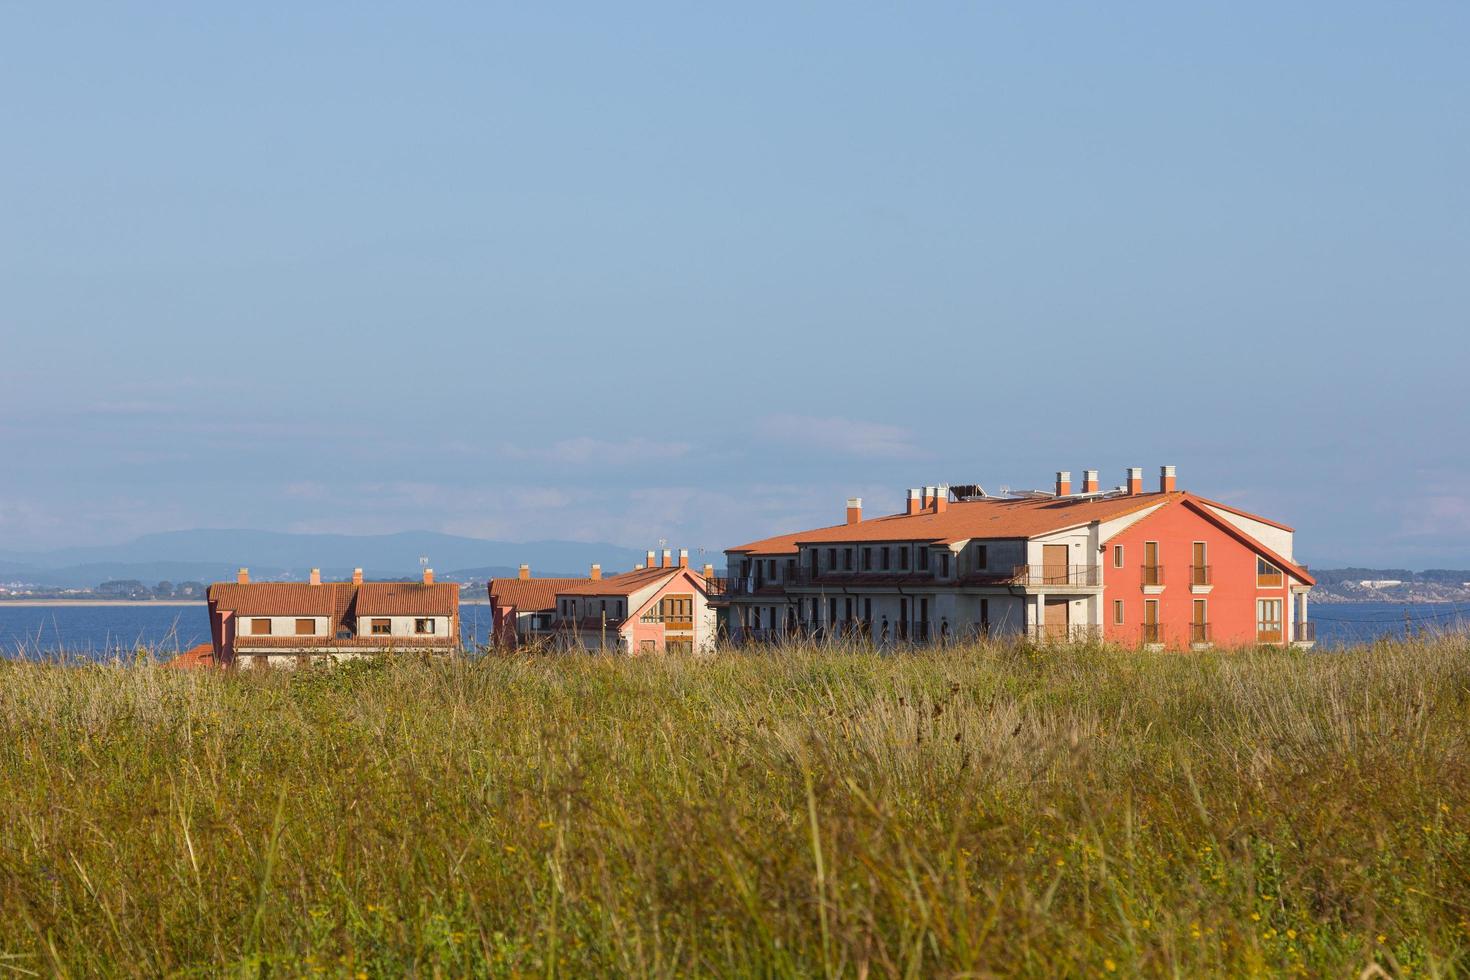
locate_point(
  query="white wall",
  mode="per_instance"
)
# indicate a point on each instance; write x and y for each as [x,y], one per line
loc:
[403,625]
[1277,539]
[282,625]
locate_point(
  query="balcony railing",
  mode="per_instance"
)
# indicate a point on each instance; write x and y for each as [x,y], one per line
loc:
[1304,632]
[1152,633]
[1200,633]
[1268,580]
[1064,633]
[1199,575]
[1034,575]
[1152,574]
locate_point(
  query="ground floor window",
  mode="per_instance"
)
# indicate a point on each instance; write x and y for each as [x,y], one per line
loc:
[1268,621]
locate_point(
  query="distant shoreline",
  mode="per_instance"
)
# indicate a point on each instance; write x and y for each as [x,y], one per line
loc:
[100,602]
[148,602]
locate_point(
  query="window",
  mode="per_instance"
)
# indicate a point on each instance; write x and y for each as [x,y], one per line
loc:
[1117,612]
[381,627]
[1199,624]
[423,626]
[260,627]
[1153,572]
[1268,620]
[1199,569]
[867,559]
[903,558]
[1117,556]
[847,559]
[832,558]
[944,564]
[1268,576]
[885,558]
[985,616]
[306,627]
[1152,631]
[982,557]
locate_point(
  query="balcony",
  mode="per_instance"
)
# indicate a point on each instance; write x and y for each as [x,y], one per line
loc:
[1200,635]
[1064,633]
[1304,632]
[1151,633]
[1151,575]
[1200,577]
[1054,576]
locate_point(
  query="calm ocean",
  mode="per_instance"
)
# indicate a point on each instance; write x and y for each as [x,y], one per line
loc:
[103,632]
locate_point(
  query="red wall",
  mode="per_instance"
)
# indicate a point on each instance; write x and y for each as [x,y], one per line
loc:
[1231,602]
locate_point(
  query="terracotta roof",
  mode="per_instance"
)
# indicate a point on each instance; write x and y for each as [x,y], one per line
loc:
[194,658]
[282,598]
[999,518]
[624,583]
[530,595]
[407,599]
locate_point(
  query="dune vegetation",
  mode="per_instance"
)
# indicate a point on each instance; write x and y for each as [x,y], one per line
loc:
[983,810]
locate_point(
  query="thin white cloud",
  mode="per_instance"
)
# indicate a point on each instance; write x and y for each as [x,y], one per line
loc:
[586,451]
[842,436]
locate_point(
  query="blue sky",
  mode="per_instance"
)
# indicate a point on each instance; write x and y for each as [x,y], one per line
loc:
[629,272]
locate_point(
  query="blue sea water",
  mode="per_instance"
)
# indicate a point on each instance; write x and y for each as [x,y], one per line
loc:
[105,632]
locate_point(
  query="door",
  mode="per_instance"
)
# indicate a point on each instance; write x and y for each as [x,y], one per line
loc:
[1199,572]
[1199,626]
[1054,564]
[1152,573]
[1058,622]
[1151,631]
[1268,621]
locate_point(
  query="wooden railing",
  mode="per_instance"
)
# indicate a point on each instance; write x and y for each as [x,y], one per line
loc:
[1035,575]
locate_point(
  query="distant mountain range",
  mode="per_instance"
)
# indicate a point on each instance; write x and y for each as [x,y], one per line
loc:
[215,555]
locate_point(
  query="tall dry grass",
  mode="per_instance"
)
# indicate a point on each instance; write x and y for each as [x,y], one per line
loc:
[985,810]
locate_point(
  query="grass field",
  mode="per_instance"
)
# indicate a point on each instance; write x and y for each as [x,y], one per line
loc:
[989,810]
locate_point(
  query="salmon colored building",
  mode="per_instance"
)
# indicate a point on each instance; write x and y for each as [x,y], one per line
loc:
[655,608]
[1162,567]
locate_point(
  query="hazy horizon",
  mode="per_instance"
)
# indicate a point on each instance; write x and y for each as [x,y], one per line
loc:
[623,274]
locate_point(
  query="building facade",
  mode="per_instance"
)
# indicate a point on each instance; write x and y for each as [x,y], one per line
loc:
[1155,568]
[290,624]
[657,607]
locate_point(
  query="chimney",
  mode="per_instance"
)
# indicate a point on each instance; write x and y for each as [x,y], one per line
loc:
[357,576]
[525,573]
[668,559]
[928,498]
[1135,480]
[1064,483]
[941,499]
[854,510]
[428,576]
[596,575]
[1089,481]
[1166,479]
[649,560]
[916,501]
[316,576]
[709,572]
[242,577]
[683,557]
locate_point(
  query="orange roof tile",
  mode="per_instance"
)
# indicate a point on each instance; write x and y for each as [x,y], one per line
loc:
[529,595]
[998,518]
[193,658]
[407,599]
[281,598]
[624,583]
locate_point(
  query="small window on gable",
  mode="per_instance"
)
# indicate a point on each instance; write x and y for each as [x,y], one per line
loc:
[1117,556]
